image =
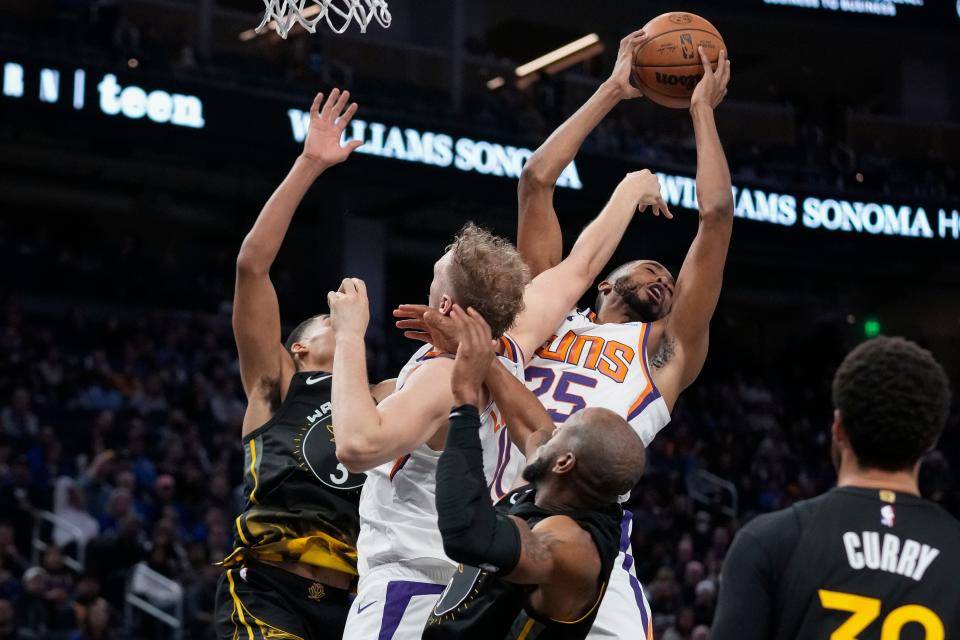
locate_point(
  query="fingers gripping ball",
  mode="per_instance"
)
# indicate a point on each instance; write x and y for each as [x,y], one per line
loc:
[667,67]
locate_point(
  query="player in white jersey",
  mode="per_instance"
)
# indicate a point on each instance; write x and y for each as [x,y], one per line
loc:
[398,442]
[401,562]
[644,345]
[647,339]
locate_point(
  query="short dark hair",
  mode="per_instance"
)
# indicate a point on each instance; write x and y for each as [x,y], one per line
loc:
[488,274]
[298,332]
[893,398]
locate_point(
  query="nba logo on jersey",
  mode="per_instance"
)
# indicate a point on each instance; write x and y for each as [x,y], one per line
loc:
[887,515]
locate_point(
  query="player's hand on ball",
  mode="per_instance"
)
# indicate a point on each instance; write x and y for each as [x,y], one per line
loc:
[623,69]
[475,354]
[712,88]
[643,187]
[327,125]
[349,308]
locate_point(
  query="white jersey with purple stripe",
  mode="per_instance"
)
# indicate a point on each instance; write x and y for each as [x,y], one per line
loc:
[398,517]
[586,364]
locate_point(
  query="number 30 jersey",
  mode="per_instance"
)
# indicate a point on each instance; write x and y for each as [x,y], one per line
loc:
[301,502]
[586,364]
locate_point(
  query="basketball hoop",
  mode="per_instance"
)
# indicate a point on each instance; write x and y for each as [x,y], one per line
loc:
[283,14]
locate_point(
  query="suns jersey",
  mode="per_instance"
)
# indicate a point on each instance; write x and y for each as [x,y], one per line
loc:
[586,364]
[398,515]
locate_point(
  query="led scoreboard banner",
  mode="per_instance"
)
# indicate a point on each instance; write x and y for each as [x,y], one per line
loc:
[898,9]
[114,105]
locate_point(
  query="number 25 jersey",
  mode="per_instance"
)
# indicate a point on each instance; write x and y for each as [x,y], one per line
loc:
[586,364]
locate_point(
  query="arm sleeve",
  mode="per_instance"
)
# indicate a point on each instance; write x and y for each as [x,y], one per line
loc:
[473,531]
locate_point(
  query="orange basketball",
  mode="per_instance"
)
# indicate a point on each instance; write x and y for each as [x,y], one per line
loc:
[667,67]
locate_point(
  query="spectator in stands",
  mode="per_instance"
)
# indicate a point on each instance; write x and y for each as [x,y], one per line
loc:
[7,622]
[17,420]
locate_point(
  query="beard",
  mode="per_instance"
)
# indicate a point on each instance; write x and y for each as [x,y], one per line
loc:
[645,310]
[535,471]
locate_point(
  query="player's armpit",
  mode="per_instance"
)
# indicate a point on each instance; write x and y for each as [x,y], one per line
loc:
[383,389]
[556,551]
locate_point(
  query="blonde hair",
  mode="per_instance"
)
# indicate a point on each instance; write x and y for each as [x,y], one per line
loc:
[488,274]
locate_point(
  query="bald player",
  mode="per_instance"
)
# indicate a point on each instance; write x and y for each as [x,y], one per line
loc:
[537,564]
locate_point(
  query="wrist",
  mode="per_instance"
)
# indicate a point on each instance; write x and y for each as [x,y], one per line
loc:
[349,336]
[466,396]
[310,166]
[611,90]
[700,109]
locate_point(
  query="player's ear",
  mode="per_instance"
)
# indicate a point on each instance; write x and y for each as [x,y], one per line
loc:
[446,304]
[605,286]
[837,431]
[565,463]
[298,348]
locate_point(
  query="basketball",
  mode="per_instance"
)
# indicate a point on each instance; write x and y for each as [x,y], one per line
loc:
[667,67]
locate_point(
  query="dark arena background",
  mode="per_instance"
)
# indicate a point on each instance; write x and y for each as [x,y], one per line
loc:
[120,398]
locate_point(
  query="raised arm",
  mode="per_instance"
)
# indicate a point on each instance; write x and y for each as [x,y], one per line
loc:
[686,330]
[554,292]
[264,364]
[367,434]
[539,238]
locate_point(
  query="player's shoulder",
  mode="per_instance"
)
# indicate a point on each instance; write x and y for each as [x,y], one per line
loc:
[775,528]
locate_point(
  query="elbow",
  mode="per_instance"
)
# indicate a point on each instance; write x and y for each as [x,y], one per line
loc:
[250,261]
[355,457]
[717,212]
[535,178]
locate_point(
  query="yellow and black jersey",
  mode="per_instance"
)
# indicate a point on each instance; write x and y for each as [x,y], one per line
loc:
[479,605]
[853,563]
[301,502]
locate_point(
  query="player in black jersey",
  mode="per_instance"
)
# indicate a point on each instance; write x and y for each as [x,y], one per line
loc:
[295,559]
[537,564]
[871,558]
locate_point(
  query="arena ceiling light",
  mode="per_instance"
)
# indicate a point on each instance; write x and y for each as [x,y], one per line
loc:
[562,58]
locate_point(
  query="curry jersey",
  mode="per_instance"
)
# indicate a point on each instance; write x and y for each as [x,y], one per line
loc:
[598,365]
[852,563]
[478,605]
[398,515]
[301,502]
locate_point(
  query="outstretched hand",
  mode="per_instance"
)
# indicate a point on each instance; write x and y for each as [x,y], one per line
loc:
[623,69]
[712,88]
[643,187]
[475,353]
[327,125]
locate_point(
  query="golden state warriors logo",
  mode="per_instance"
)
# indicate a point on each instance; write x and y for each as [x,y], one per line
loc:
[317,451]
[316,591]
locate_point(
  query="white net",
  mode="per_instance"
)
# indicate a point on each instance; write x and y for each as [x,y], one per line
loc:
[282,15]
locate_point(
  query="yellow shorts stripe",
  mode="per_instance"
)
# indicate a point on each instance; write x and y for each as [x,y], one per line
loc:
[237,605]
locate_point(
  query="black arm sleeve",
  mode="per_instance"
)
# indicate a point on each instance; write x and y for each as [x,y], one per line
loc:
[746,608]
[473,531]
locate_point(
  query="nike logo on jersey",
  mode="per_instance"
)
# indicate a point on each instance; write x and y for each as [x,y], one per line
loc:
[369,604]
[315,380]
